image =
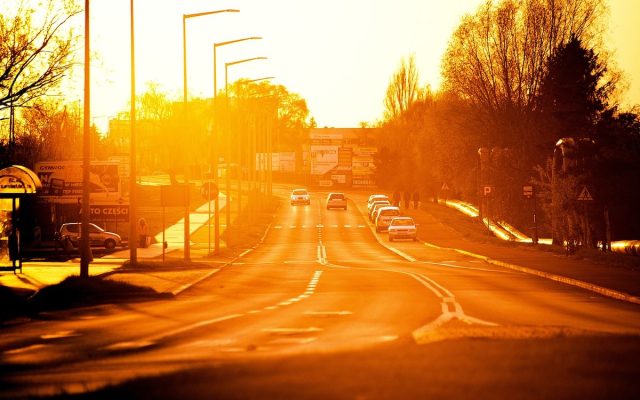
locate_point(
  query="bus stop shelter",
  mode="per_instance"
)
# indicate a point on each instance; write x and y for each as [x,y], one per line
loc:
[16,183]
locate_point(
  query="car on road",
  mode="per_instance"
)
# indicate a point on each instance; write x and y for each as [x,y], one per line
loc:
[300,196]
[384,217]
[402,228]
[336,200]
[375,206]
[97,235]
[376,197]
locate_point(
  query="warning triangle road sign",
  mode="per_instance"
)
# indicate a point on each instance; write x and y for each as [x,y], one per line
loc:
[444,187]
[585,195]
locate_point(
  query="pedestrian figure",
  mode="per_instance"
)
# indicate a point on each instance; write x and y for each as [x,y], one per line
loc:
[407,199]
[396,198]
[143,232]
[416,199]
[37,236]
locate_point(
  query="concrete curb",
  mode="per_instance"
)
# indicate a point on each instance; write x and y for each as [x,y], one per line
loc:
[611,293]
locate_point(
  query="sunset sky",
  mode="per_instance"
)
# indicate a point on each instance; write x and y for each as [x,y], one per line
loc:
[337,54]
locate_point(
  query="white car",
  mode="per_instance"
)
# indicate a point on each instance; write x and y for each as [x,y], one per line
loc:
[300,196]
[376,197]
[97,235]
[384,217]
[375,206]
[336,200]
[402,228]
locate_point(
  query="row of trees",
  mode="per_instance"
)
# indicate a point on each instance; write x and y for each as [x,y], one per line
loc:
[518,77]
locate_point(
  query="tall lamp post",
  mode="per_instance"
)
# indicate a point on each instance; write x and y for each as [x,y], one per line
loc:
[215,155]
[185,17]
[266,162]
[133,255]
[226,91]
[85,254]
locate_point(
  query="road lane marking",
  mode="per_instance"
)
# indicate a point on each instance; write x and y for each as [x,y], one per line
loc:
[153,340]
[444,264]
[293,340]
[60,335]
[325,314]
[292,331]
[446,297]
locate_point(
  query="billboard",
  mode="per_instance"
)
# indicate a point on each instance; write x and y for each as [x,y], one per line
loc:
[323,159]
[62,180]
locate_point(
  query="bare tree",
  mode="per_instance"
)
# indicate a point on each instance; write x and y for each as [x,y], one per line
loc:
[497,58]
[403,89]
[33,58]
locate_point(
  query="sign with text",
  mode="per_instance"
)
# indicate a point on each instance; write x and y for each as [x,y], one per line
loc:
[486,191]
[109,213]
[63,180]
[323,159]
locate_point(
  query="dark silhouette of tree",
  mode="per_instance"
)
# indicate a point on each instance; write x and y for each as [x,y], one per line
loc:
[33,56]
[573,93]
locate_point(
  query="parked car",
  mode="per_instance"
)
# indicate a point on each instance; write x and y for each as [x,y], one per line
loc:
[402,228]
[300,196]
[375,207]
[97,235]
[336,200]
[376,197]
[384,217]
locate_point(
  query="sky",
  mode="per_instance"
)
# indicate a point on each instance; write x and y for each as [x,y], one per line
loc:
[339,55]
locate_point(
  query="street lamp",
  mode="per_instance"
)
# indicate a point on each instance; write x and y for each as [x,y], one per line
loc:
[85,254]
[187,247]
[215,155]
[226,88]
[133,255]
[268,159]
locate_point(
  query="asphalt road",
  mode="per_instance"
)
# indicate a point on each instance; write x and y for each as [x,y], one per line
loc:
[326,308]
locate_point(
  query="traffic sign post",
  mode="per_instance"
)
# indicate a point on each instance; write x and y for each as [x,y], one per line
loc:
[528,192]
[585,197]
[445,189]
[487,190]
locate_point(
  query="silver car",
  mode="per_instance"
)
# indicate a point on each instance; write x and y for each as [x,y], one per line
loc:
[300,196]
[384,217]
[336,200]
[97,235]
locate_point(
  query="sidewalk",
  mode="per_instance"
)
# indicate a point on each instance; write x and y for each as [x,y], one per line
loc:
[170,277]
[542,263]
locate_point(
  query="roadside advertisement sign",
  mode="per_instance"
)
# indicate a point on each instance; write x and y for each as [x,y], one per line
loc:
[323,159]
[287,162]
[344,158]
[62,180]
[342,179]
[109,213]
